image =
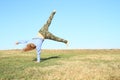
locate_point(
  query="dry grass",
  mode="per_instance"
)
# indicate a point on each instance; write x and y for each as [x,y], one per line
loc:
[61,65]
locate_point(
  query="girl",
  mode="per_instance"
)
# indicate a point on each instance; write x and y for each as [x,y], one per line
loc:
[43,33]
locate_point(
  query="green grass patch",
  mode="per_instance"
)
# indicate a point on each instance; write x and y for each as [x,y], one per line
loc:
[60,65]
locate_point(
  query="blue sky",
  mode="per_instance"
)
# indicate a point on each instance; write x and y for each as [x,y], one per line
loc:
[87,24]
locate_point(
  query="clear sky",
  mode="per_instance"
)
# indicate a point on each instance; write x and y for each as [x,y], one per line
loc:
[87,24]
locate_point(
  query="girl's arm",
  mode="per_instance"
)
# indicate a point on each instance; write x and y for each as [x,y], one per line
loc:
[21,42]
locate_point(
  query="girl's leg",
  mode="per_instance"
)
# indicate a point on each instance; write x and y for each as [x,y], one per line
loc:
[47,24]
[55,38]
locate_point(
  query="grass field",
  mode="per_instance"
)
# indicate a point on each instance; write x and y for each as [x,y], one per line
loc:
[60,65]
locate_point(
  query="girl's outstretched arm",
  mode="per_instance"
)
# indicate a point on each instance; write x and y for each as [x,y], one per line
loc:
[21,42]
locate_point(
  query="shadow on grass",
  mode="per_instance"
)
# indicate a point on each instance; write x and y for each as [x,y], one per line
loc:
[44,59]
